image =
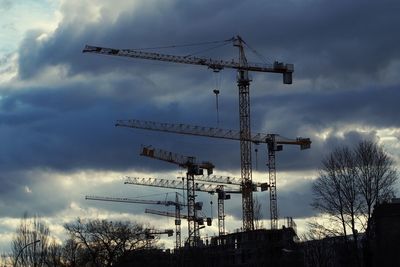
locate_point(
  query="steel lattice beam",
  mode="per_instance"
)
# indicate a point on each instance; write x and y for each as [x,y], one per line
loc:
[272,187]
[245,152]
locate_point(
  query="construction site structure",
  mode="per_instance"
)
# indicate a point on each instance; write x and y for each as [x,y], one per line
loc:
[151,234]
[189,163]
[180,184]
[177,204]
[200,220]
[227,180]
[223,192]
[243,82]
[274,143]
[192,169]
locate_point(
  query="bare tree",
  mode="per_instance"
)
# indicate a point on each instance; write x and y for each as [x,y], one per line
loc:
[73,254]
[106,241]
[334,191]
[25,251]
[350,182]
[54,256]
[376,175]
[5,260]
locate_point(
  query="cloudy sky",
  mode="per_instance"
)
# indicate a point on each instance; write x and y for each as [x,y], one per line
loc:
[58,106]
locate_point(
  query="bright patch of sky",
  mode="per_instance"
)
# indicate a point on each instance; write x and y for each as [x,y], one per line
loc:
[19,16]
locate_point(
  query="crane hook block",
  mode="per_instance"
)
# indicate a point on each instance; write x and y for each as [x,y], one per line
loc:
[287,78]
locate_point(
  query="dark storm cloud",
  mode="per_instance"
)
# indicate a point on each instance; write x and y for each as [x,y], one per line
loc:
[72,128]
[294,201]
[337,40]
[309,114]
[68,127]
[315,33]
[64,130]
[373,106]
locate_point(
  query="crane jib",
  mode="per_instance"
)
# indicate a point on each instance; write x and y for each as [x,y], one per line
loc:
[257,138]
[277,67]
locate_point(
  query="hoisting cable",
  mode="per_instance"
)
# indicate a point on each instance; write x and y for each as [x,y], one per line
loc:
[205,50]
[151,195]
[183,191]
[256,150]
[185,45]
[216,92]
[211,204]
[262,57]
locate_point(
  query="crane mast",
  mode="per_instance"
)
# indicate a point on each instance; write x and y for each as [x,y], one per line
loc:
[178,206]
[243,82]
[222,196]
[273,205]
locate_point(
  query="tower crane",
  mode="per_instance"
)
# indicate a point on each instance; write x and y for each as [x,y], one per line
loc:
[186,162]
[193,168]
[222,195]
[243,82]
[227,180]
[166,213]
[274,143]
[189,163]
[221,190]
[200,220]
[178,184]
[178,206]
[134,200]
[151,233]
